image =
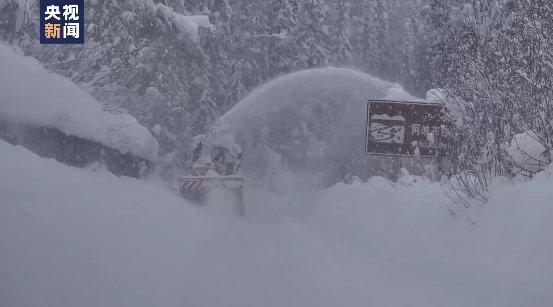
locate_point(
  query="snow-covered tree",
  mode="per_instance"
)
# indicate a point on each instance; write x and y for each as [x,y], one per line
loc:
[501,87]
[312,35]
[341,48]
[282,27]
[235,88]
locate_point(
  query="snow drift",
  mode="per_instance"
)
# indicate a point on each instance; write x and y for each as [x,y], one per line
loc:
[500,254]
[31,95]
[310,122]
[92,239]
[71,237]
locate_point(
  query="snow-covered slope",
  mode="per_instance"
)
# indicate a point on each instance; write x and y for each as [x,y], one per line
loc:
[31,95]
[309,122]
[69,237]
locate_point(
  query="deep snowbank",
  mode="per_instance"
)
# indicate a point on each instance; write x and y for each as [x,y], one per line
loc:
[70,237]
[500,254]
[31,95]
[308,123]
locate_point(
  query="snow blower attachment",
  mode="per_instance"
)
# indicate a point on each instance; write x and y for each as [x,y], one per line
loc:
[215,162]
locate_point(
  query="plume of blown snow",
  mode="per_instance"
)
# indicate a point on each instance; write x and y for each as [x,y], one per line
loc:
[308,124]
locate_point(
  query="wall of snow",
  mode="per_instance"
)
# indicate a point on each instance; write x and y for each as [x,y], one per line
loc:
[31,95]
[72,237]
[309,123]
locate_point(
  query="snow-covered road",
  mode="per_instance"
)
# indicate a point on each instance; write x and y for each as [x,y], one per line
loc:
[244,263]
[70,237]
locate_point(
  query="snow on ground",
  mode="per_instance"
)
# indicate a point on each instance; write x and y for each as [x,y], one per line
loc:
[70,237]
[415,252]
[56,102]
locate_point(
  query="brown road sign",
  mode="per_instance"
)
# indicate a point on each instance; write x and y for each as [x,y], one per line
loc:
[403,128]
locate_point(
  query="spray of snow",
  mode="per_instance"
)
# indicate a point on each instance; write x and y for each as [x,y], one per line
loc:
[398,93]
[306,124]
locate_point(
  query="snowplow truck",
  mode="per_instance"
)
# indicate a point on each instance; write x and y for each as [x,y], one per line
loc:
[214,162]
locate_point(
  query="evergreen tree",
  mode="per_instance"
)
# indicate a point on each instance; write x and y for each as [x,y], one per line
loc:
[341,48]
[235,88]
[374,44]
[368,38]
[312,36]
[437,31]
[379,37]
[282,48]
[283,17]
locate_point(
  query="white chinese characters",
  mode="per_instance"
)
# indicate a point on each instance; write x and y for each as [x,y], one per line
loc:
[71,12]
[71,30]
[52,11]
[63,23]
